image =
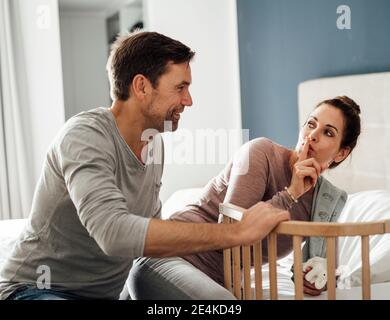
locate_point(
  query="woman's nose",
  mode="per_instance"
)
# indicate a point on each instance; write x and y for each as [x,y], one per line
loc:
[312,136]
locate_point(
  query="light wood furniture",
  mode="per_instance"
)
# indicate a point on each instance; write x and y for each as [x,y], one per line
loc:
[237,260]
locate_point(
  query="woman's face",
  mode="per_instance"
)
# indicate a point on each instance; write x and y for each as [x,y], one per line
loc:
[324,129]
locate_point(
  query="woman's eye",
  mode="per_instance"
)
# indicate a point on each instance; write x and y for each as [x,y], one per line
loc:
[329,133]
[310,125]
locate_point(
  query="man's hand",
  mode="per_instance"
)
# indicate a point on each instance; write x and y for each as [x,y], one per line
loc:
[258,221]
[174,238]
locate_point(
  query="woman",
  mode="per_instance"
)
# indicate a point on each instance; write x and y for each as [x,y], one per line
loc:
[288,179]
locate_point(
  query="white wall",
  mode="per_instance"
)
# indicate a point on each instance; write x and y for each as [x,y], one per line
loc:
[210,29]
[43,75]
[84,56]
[128,16]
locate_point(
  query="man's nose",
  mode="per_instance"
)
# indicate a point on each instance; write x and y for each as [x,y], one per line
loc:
[187,99]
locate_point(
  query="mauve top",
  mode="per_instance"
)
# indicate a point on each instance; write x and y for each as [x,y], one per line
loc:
[259,172]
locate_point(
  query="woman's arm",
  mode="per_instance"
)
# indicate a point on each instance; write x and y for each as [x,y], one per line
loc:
[246,189]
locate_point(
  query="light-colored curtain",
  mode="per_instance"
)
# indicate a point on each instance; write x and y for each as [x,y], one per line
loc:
[16,182]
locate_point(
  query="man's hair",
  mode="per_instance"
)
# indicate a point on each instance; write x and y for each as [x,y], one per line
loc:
[146,53]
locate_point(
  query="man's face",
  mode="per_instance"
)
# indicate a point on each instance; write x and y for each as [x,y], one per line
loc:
[170,97]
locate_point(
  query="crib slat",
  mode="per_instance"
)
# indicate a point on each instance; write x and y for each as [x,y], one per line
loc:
[298,274]
[272,254]
[237,272]
[331,267]
[246,257]
[366,268]
[387,226]
[227,262]
[258,257]
[227,268]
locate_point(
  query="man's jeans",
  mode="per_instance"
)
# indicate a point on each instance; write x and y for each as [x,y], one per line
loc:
[33,293]
[172,279]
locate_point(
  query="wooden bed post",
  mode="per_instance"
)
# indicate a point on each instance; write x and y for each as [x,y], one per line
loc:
[366,285]
[331,267]
[272,256]
[298,274]
[258,257]
[246,257]
[227,262]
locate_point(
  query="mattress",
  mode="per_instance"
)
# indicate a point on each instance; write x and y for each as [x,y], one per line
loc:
[379,291]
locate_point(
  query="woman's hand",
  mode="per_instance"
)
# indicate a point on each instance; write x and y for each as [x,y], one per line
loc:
[305,172]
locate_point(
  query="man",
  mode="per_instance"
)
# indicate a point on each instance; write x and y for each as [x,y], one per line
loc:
[96,206]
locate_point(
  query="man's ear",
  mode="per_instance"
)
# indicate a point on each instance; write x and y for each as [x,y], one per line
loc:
[140,87]
[342,154]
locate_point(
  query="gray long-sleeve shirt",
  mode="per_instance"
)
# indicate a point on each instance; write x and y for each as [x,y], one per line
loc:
[90,211]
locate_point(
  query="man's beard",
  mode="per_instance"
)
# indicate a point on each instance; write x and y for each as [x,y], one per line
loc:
[168,124]
[171,123]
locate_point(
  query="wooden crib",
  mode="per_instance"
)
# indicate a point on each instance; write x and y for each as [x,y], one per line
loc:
[237,260]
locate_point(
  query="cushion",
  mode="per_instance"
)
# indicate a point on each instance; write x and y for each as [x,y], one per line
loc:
[9,232]
[362,207]
[179,199]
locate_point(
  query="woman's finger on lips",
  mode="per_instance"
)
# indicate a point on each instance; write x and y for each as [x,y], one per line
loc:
[305,150]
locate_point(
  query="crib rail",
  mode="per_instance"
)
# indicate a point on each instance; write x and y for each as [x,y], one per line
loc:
[235,263]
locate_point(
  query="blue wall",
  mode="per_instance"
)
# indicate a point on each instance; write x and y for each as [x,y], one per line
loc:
[285,42]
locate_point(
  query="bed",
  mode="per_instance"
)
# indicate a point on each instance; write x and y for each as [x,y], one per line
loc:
[366,178]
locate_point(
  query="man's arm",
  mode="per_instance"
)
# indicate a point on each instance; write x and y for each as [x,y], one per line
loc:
[172,238]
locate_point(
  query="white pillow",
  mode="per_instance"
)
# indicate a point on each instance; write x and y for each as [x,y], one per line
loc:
[179,199]
[362,207]
[9,232]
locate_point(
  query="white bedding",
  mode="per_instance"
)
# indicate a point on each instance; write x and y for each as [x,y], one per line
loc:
[379,291]
[9,230]
[360,207]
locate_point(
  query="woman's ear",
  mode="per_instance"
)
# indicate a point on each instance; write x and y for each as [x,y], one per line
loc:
[342,154]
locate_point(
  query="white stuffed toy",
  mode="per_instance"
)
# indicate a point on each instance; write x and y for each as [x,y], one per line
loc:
[318,274]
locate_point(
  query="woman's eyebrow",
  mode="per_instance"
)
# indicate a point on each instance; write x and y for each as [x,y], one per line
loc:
[328,125]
